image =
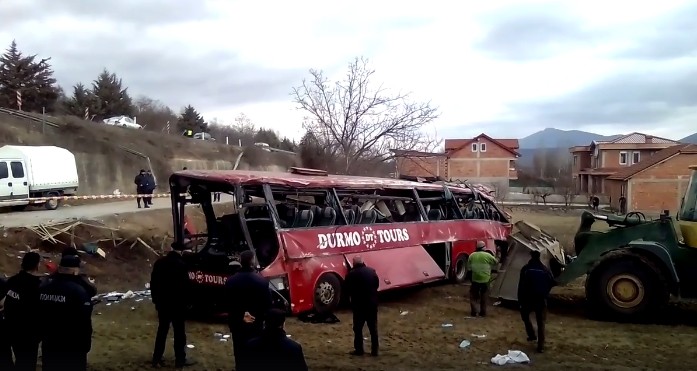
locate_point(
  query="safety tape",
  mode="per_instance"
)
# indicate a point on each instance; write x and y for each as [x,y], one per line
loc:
[92,197]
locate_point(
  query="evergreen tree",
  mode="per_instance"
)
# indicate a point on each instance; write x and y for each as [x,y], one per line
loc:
[312,155]
[81,99]
[111,98]
[267,136]
[190,119]
[34,80]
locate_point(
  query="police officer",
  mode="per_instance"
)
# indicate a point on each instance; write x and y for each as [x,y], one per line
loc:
[273,350]
[536,280]
[66,320]
[21,312]
[480,263]
[85,281]
[362,284]
[248,301]
[141,187]
[150,187]
[6,362]
[169,289]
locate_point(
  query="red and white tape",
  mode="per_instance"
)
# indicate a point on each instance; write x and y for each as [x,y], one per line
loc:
[92,197]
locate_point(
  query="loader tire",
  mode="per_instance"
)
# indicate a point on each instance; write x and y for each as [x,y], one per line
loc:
[626,288]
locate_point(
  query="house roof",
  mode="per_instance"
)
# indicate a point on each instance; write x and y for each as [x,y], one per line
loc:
[639,138]
[654,160]
[510,145]
[412,153]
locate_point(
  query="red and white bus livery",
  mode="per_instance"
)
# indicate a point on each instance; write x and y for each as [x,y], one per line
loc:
[305,227]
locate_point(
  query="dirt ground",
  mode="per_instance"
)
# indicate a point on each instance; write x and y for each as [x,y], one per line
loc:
[411,321]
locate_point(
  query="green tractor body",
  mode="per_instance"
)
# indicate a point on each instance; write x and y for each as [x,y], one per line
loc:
[632,269]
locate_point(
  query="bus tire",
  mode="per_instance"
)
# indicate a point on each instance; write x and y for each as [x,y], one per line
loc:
[628,288]
[327,293]
[460,269]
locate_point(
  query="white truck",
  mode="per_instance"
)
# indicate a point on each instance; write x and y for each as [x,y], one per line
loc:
[36,171]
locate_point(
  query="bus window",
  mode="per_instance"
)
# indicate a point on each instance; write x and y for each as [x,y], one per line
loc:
[379,205]
[306,208]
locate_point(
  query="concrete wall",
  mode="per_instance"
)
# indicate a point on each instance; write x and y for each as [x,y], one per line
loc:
[103,175]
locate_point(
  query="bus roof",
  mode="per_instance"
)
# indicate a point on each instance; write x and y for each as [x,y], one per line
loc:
[245,177]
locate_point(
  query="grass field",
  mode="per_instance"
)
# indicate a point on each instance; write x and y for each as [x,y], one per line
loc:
[416,340]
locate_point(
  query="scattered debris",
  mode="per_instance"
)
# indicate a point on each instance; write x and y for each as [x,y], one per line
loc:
[497,303]
[190,346]
[478,336]
[447,325]
[404,313]
[464,344]
[513,356]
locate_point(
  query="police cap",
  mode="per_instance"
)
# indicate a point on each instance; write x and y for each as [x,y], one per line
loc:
[70,261]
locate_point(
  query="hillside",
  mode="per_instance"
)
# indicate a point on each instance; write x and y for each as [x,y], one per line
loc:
[556,138]
[109,157]
[690,139]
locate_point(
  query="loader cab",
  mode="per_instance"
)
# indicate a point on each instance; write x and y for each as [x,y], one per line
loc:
[687,216]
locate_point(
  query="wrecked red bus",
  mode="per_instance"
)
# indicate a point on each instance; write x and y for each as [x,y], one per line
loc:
[305,227]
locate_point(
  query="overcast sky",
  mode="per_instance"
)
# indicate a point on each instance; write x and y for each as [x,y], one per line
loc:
[507,68]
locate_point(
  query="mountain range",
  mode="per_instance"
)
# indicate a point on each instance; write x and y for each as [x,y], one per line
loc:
[554,140]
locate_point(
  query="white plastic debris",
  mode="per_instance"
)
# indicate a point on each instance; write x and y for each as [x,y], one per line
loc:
[447,325]
[147,285]
[404,313]
[287,335]
[190,346]
[133,308]
[223,340]
[464,344]
[513,356]
[496,304]
[129,294]
[226,336]
[218,335]
[478,336]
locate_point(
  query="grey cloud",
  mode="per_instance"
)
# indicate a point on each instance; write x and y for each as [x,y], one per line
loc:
[529,32]
[137,12]
[166,70]
[638,97]
[672,36]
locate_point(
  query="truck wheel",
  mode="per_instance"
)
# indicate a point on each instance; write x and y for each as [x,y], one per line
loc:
[626,289]
[460,271]
[327,293]
[52,204]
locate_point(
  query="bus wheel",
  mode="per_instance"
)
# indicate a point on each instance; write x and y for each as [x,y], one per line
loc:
[327,293]
[460,269]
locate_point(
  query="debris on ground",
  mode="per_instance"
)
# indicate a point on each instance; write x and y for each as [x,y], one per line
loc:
[404,313]
[447,325]
[513,356]
[464,344]
[478,336]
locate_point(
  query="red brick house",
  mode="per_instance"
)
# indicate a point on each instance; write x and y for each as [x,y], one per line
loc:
[481,159]
[656,183]
[601,159]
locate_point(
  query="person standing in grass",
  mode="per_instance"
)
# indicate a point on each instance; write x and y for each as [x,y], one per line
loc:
[6,362]
[536,280]
[480,263]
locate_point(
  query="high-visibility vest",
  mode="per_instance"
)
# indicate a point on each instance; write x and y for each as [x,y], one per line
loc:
[189,133]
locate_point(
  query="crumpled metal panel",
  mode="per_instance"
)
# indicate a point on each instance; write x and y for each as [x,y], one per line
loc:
[527,237]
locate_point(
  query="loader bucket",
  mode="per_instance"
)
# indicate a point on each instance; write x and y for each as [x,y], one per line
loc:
[527,237]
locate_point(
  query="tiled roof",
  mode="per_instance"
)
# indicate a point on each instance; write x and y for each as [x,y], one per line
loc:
[510,145]
[654,160]
[639,138]
[411,153]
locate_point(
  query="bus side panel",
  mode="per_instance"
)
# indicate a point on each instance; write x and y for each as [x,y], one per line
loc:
[303,275]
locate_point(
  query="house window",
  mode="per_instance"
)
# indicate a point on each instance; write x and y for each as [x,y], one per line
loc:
[623,158]
[575,159]
[636,157]
[475,147]
[482,147]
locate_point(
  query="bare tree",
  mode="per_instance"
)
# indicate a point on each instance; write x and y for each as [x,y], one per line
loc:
[355,120]
[500,191]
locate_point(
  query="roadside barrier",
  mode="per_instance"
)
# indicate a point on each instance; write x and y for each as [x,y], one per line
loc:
[91,197]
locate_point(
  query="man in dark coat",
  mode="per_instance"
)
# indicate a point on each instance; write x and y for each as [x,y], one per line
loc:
[22,312]
[362,285]
[6,362]
[66,320]
[169,289]
[85,281]
[248,299]
[536,280]
[151,186]
[141,183]
[273,350]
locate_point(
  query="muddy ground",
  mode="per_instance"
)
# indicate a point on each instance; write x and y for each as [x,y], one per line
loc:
[123,332]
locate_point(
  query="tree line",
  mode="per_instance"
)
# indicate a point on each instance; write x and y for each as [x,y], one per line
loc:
[351,126]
